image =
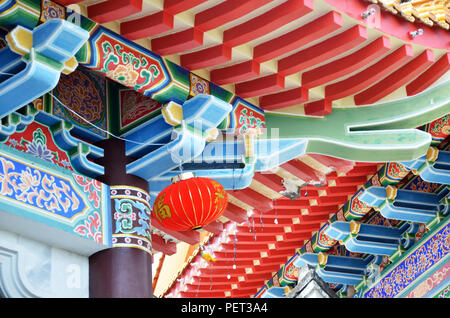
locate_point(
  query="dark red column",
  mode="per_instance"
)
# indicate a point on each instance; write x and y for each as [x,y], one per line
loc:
[125,270]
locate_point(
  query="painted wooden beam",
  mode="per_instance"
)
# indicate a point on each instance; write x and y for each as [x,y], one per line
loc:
[332,200]
[214,227]
[158,244]
[396,80]
[321,107]
[362,171]
[297,38]
[147,26]
[191,237]
[284,99]
[225,12]
[302,171]
[270,180]
[431,75]
[209,57]
[372,74]
[347,64]
[178,6]
[177,42]
[322,51]
[235,73]
[250,237]
[235,213]
[112,10]
[267,22]
[260,86]
[292,204]
[253,198]
[340,165]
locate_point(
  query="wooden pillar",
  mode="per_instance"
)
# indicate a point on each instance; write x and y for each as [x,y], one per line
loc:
[125,270]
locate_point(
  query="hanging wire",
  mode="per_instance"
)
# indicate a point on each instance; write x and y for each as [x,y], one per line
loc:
[275,206]
[254,231]
[261,221]
[198,287]
[234,254]
[101,129]
[210,281]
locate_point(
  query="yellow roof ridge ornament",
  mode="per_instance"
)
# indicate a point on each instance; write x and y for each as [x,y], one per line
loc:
[429,12]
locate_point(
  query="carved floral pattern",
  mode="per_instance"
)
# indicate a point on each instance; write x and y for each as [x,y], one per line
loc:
[39,189]
[414,265]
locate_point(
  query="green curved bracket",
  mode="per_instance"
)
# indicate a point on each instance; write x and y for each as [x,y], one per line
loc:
[373,133]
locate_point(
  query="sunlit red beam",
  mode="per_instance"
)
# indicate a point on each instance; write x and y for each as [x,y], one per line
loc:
[253,198]
[225,12]
[147,26]
[235,73]
[284,99]
[270,180]
[297,38]
[321,107]
[177,6]
[370,75]
[214,227]
[191,237]
[112,10]
[260,86]
[206,58]
[177,42]
[158,244]
[301,170]
[322,51]
[430,76]
[267,22]
[205,20]
[340,165]
[235,213]
[396,80]
[346,65]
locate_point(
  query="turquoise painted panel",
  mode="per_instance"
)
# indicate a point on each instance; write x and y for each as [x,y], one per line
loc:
[53,196]
[425,255]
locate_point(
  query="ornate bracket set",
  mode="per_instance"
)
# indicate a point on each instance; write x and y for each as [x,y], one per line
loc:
[389,237]
[183,134]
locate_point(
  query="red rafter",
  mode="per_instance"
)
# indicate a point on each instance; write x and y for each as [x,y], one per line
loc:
[267,22]
[112,10]
[323,51]
[299,37]
[396,80]
[428,77]
[370,75]
[346,65]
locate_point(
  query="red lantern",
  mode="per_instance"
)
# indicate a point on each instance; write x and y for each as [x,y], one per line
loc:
[190,203]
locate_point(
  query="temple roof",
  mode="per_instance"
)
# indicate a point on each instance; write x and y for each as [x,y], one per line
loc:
[300,57]
[291,56]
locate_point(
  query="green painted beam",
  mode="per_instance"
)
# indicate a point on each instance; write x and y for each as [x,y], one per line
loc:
[374,133]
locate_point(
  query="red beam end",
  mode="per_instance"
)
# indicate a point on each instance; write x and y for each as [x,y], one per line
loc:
[112,10]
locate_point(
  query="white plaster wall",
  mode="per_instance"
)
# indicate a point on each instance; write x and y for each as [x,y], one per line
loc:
[29,268]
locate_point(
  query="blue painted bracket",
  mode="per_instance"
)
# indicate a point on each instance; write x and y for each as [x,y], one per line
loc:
[16,121]
[36,65]
[81,153]
[367,238]
[200,114]
[274,292]
[433,167]
[337,269]
[406,205]
[268,154]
